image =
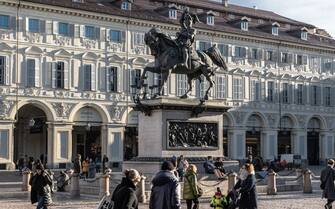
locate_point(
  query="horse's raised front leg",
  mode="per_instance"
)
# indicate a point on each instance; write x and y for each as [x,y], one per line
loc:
[164,77]
[211,84]
[189,82]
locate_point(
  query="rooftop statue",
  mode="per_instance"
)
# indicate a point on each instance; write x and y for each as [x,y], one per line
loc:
[179,56]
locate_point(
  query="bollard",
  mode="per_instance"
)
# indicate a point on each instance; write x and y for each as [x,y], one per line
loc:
[307,187]
[231,181]
[143,198]
[272,185]
[104,185]
[75,188]
[26,175]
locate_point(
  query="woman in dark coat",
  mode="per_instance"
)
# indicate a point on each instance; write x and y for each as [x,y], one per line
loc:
[328,177]
[247,187]
[40,188]
[124,195]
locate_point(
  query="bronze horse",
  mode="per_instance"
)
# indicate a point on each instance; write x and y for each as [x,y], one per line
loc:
[167,60]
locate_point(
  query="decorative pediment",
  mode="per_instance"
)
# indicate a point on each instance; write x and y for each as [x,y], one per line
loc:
[300,78]
[270,75]
[286,76]
[62,53]
[237,71]
[255,73]
[116,58]
[304,29]
[5,47]
[33,50]
[276,24]
[210,12]
[173,6]
[90,56]
[314,79]
[138,61]
[245,18]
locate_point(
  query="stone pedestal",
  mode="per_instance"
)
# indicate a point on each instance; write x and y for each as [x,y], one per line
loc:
[26,175]
[307,186]
[231,181]
[272,187]
[104,185]
[142,195]
[75,188]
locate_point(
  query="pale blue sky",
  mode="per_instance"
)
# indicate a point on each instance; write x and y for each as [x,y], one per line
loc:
[320,13]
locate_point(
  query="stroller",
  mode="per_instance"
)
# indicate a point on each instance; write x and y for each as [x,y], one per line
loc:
[233,199]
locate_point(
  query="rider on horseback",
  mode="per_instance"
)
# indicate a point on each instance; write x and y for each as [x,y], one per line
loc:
[185,38]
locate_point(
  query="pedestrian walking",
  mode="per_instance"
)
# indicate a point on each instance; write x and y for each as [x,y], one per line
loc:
[182,166]
[105,165]
[91,169]
[191,191]
[124,195]
[40,188]
[246,186]
[77,168]
[85,166]
[327,183]
[165,192]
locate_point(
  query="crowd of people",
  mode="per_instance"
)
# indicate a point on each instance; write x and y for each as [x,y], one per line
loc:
[166,187]
[88,167]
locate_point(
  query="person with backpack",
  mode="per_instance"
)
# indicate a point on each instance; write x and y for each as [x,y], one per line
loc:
[327,183]
[165,192]
[124,195]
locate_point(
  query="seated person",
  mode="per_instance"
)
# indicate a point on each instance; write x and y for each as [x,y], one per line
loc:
[219,201]
[211,169]
[219,165]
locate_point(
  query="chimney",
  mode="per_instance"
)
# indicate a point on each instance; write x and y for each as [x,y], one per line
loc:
[225,3]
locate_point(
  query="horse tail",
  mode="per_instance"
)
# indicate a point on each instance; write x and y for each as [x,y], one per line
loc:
[215,54]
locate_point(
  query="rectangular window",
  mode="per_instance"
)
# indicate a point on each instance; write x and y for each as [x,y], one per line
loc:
[89,32]
[285,93]
[244,25]
[115,36]
[139,39]
[210,20]
[220,87]
[299,60]
[34,25]
[63,29]
[4,21]
[255,90]
[2,69]
[223,49]
[300,94]
[284,57]
[237,89]
[31,72]
[270,91]
[327,96]
[181,84]
[239,52]
[269,56]
[135,80]
[314,93]
[63,144]
[125,5]
[4,138]
[112,79]
[173,14]
[115,147]
[304,35]
[254,54]
[60,75]
[87,77]
[275,30]
[204,45]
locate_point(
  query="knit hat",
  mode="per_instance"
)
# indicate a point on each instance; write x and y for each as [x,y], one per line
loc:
[218,194]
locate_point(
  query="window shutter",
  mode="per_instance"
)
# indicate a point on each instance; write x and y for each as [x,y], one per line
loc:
[102,34]
[97,33]
[275,56]
[318,95]
[290,94]
[23,73]
[53,75]
[119,78]
[48,74]
[233,48]
[123,36]
[71,30]
[332,96]
[7,71]
[27,24]
[263,92]
[304,60]
[275,92]
[281,57]
[250,53]
[66,75]
[93,77]
[133,35]
[48,27]
[82,77]
[55,27]
[107,79]
[82,31]
[244,52]
[77,31]
[42,26]
[304,94]
[37,72]
[12,23]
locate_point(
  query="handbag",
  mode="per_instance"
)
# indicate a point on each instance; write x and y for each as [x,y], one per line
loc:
[323,183]
[200,191]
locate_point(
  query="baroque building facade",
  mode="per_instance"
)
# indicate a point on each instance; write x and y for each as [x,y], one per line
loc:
[69,69]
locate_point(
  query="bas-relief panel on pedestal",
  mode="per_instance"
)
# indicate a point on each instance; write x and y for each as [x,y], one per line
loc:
[192,135]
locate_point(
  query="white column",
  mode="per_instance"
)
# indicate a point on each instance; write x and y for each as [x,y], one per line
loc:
[299,143]
[269,144]
[7,145]
[326,145]
[236,144]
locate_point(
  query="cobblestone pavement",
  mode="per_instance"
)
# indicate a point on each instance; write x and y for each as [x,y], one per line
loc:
[290,200]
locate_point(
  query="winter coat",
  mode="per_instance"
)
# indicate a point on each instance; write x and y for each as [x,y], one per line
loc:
[40,186]
[248,192]
[124,195]
[190,190]
[329,191]
[165,193]
[219,202]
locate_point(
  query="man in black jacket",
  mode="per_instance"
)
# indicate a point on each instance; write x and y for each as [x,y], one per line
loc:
[165,193]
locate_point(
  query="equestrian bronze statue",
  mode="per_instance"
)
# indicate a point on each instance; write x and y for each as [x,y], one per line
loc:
[179,56]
